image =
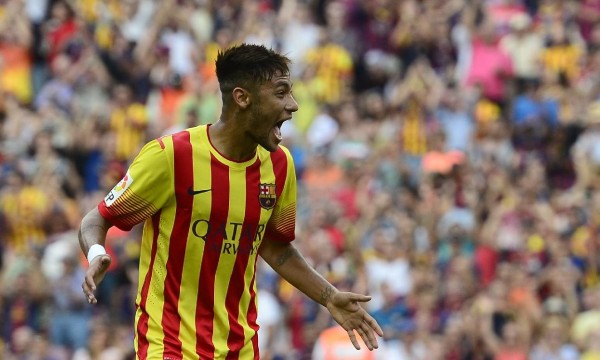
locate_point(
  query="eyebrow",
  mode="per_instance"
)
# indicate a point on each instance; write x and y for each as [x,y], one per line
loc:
[283,83]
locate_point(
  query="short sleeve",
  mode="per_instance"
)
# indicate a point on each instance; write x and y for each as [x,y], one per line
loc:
[282,224]
[142,192]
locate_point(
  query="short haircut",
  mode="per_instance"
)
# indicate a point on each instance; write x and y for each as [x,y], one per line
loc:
[248,66]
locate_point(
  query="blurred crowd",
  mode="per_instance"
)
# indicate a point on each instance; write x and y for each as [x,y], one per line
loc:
[447,153]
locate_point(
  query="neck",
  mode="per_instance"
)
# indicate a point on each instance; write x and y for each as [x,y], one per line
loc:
[230,141]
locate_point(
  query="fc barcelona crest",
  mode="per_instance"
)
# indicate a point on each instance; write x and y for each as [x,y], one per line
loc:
[267,196]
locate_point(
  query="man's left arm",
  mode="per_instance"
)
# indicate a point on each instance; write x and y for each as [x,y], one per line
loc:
[344,307]
[276,249]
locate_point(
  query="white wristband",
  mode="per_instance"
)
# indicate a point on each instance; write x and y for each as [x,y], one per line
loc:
[95,250]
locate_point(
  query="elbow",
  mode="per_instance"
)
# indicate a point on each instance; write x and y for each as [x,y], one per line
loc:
[277,254]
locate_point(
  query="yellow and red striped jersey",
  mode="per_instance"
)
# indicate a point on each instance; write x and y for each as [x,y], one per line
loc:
[205,218]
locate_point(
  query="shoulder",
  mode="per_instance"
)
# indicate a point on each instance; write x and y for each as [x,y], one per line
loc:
[178,138]
[157,150]
[280,156]
[283,152]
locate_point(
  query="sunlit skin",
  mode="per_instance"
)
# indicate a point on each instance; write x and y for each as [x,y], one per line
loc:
[254,118]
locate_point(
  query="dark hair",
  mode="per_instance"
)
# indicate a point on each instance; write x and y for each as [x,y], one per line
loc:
[248,66]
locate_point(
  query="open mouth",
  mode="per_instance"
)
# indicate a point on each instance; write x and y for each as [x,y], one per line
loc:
[277,129]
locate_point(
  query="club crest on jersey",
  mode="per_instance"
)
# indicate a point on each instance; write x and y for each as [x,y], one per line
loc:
[267,196]
[118,190]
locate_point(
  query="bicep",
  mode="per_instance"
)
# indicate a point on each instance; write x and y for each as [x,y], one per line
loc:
[94,219]
[269,249]
[266,250]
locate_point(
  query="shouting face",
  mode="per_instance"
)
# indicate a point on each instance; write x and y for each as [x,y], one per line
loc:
[272,104]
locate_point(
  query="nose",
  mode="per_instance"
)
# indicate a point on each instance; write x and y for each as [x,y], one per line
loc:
[292,104]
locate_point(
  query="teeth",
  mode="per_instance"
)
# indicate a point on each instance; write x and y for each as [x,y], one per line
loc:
[277,132]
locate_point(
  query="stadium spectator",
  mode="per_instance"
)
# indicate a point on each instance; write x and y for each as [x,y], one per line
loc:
[384,88]
[70,317]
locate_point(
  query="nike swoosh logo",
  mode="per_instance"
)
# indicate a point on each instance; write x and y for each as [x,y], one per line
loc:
[193,192]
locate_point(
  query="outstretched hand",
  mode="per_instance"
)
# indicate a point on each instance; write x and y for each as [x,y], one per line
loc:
[346,310]
[94,275]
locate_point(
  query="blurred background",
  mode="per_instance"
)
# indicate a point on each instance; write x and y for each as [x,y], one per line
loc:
[447,152]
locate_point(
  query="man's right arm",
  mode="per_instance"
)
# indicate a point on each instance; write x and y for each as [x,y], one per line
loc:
[93,231]
[144,189]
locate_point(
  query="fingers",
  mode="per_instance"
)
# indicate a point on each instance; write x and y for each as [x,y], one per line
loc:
[353,339]
[373,324]
[367,328]
[358,297]
[89,287]
[368,337]
[365,337]
[94,275]
[366,333]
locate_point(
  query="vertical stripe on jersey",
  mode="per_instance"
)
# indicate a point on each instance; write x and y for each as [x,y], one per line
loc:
[195,247]
[142,321]
[183,178]
[238,285]
[279,170]
[253,314]
[280,164]
[225,268]
[250,306]
[210,259]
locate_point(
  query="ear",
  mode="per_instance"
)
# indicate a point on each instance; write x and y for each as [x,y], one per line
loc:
[242,97]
